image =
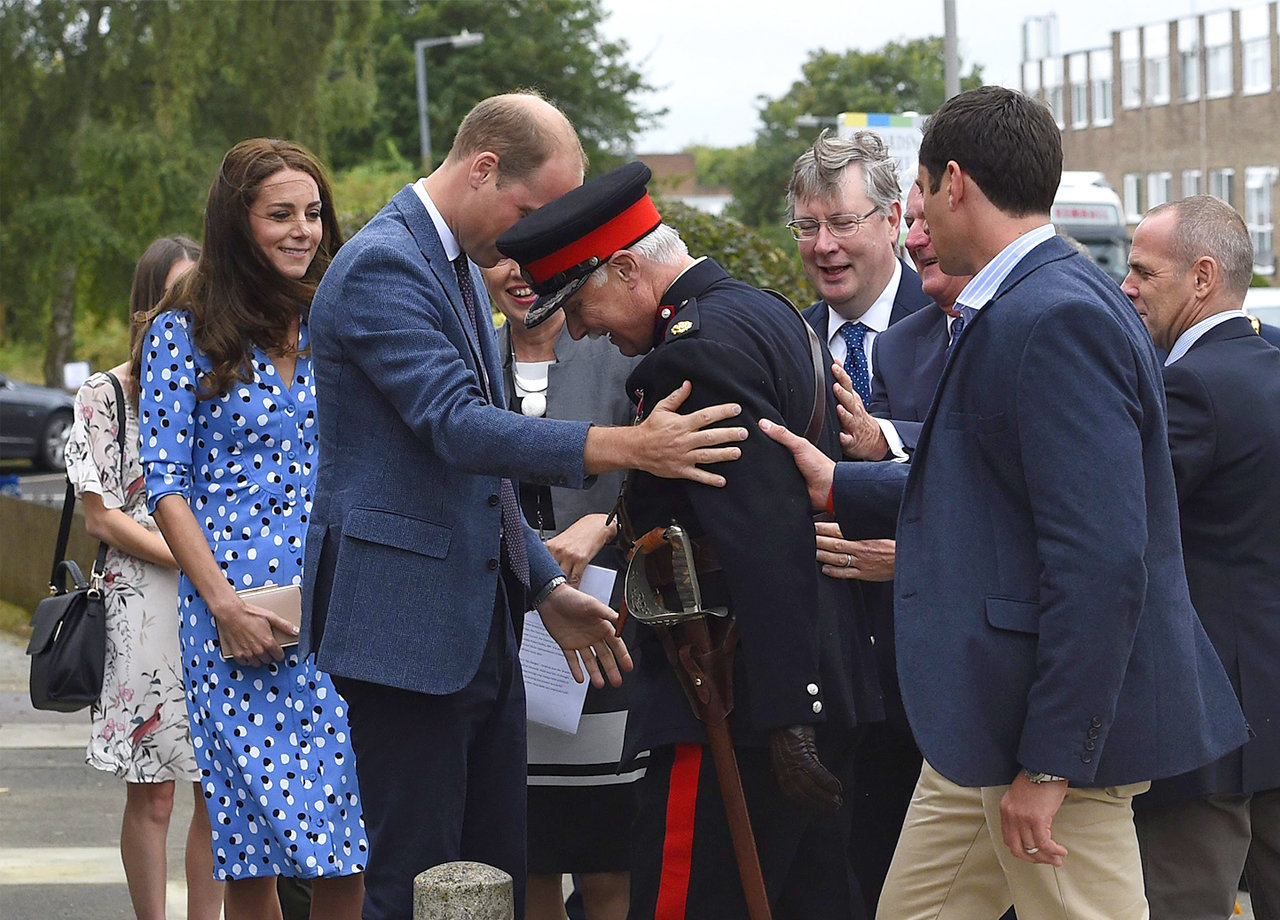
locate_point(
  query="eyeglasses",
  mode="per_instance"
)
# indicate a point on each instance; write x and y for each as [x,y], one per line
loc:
[804,229]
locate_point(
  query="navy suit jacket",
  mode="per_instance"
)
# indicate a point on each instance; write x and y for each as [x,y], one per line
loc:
[910,298]
[1224,434]
[411,455]
[1041,611]
[907,361]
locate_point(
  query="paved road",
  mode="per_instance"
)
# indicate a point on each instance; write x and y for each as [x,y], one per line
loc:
[60,819]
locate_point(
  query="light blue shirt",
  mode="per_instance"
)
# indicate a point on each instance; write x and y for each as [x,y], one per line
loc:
[1192,335]
[983,286]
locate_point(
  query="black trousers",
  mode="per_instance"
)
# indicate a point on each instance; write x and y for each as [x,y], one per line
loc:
[682,855]
[442,778]
[885,770]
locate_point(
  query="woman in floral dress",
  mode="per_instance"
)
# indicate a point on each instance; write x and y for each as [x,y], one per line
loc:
[228,444]
[140,726]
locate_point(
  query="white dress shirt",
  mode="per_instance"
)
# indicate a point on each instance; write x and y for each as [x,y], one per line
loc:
[1192,335]
[451,248]
[876,319]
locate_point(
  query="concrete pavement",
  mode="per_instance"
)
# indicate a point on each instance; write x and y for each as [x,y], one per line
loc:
[60,819]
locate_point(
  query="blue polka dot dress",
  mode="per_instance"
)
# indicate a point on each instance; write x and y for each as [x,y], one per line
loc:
[271,742]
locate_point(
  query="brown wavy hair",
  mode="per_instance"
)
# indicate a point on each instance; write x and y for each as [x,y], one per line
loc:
[235,296]
[148,289]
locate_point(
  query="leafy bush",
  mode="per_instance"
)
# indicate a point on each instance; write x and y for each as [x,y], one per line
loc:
[741,251]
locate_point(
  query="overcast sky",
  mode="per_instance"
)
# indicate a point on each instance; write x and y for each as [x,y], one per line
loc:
[710,59]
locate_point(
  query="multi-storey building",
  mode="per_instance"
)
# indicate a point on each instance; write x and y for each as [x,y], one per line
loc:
[1170,109]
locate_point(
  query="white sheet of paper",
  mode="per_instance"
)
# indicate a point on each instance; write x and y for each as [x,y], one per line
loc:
[553,698]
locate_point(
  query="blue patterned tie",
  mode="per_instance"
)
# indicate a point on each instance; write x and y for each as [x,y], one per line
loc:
[855,358]
[512,531]
[957,327]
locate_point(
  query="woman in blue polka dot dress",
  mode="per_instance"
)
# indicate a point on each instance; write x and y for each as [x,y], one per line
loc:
[228,444]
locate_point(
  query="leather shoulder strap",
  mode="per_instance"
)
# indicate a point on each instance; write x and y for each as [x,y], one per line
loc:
[818,417]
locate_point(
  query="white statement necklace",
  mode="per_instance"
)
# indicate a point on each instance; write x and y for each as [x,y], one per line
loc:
[531,378]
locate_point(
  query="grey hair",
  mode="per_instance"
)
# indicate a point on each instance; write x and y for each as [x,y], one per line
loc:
[818,170]
[1208,226]
[662,244]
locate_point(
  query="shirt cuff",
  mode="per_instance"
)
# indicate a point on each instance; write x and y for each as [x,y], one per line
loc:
[897,453]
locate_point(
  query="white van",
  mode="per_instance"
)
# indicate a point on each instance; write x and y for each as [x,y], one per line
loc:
[1088,209]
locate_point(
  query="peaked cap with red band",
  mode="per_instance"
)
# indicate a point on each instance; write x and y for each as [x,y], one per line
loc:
[559,245]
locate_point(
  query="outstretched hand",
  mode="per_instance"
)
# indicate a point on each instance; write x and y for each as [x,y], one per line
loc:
[862,438]
[816,467]
[675,446]
[585,630]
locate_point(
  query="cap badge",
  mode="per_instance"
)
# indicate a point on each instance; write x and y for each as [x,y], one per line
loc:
[681,327]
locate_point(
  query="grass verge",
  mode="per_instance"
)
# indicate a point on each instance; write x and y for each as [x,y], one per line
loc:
[15,621]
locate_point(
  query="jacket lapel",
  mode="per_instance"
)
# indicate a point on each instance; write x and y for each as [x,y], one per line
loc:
[424,234]
[931,352]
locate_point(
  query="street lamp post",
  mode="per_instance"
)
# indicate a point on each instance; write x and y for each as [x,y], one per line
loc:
[464,39]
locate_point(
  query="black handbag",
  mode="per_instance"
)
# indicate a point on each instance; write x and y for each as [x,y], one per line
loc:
[68,646]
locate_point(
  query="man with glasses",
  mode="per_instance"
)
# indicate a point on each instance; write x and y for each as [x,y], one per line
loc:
[846,210]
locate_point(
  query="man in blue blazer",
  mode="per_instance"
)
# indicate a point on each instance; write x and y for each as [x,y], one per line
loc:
[1190,266]
[418,564]
[1050,660]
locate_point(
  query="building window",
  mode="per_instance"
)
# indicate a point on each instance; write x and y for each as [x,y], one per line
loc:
[1255,49]
[1078,74]
[1221,184]
[1100,69]
[1257,65]
[1190,182]
[1219,67]
[1130,70]
[1155,40]
[1159,188]
[1079,105]
[1259,216]
[1132,197]
[1053,94]
[1189,57]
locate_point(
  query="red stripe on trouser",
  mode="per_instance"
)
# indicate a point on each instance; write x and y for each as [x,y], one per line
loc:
[677,845]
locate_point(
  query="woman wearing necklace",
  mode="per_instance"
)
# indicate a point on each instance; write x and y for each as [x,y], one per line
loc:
[572,778]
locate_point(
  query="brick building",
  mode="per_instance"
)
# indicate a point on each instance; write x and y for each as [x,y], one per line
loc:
[1171,109]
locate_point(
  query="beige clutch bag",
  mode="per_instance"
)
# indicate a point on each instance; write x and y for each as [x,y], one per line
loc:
[285,601]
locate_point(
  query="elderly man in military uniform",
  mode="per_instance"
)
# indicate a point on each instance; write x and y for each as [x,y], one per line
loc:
[770,653]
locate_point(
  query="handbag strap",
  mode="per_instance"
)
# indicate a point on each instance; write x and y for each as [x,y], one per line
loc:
[57,573]
[818,416]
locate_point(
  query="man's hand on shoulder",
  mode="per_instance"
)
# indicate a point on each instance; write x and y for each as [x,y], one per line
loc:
[1026,818]
[669,444]
[817,468]
[585,629]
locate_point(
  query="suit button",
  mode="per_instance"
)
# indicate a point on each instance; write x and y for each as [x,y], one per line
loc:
[1093,733]
[1087,758]
[493,500]
[812,689]
[492,564]
[1089,745]
[817,705]
[1097,722]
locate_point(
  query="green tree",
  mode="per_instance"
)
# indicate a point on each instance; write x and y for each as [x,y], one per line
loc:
[902,76]
[120,111]
[555,46]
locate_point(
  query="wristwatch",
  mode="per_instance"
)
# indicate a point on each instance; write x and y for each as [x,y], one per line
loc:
[547,589]
[1039,778]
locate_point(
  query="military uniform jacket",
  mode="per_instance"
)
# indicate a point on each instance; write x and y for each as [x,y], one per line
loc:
[804,654]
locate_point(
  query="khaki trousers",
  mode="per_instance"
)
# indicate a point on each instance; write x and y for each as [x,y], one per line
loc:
[951,862]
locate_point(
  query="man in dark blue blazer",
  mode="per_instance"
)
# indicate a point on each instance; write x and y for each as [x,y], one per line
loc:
[1188,272]
[1050,660]
[418,564]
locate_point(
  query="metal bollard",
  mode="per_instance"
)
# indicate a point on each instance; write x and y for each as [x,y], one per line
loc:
[463,891]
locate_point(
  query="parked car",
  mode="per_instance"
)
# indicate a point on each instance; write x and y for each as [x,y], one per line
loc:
[34,422]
